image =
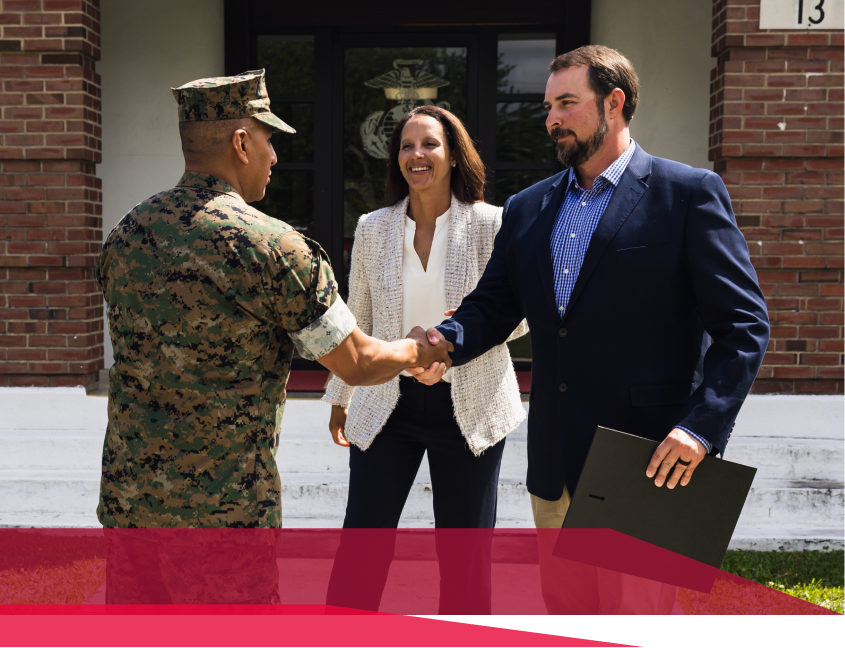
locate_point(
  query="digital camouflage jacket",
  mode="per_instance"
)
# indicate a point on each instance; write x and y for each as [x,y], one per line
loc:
[207,299]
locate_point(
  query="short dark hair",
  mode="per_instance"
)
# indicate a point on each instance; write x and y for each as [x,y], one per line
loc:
[608,70]
[209,138]
[468,175]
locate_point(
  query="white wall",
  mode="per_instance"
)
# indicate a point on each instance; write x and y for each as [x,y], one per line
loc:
[669,45]
[147,48]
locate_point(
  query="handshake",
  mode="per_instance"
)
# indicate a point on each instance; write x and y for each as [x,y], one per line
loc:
[433,350]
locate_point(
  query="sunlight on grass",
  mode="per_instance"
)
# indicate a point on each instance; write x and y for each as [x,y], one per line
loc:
[814,576]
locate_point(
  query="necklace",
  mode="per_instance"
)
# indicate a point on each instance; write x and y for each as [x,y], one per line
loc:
[424,255]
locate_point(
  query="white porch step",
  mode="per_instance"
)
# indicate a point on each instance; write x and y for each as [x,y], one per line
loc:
[821,461]
[51,442]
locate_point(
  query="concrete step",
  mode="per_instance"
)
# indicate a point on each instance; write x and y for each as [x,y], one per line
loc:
[794,503]
[51,442]
[323,496]
[779,537]
[822,460]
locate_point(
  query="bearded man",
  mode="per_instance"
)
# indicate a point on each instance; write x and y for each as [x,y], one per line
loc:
[625,266]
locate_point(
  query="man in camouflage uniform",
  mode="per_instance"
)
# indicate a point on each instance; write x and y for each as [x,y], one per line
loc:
[207,300]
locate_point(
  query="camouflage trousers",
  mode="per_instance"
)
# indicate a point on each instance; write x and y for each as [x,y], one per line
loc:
[144,569]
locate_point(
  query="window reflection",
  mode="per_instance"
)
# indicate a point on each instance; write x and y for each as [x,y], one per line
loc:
[298,146]
[521,134]
[512,182]
[290,198]
[289,64]
[381,84]
[524,62]
[520,348]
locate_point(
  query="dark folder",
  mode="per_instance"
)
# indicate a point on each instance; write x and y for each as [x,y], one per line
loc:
[696,520]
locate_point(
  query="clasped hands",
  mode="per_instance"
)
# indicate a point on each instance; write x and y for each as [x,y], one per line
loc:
[432,373]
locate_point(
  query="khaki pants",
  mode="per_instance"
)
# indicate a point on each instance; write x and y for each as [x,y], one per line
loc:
[570,587]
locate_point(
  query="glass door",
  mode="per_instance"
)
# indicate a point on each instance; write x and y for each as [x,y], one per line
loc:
[384,78]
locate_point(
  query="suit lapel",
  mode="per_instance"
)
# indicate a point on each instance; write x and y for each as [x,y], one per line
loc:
[625,197]
[395,251]
[545,224]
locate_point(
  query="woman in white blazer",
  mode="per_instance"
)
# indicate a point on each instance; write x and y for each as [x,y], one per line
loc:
[412,262]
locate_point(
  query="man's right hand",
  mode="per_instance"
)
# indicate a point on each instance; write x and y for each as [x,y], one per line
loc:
[363,360]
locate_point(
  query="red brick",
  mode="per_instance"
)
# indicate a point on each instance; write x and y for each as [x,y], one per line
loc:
[824,304]
[747,108]
[42,19]
[787,109]
[48,367]
[809,66]
[826,108]
[744,165]
[801,234]
[762,150]
[794,372]
[835,373]
[774,193]
[825,137]
[832,346]
[803,206]
[782,248]
[48,234]
[783,137]
[808,40]
[796,318]
[803,150]
[779,358]
[45,207]
[27,354]
[831,319]
[782,303]
[820,332]
[828,290]
[784,332]
[827,359]
[13,367]
[762,94]
[786,81]
[816,387]
[27,327]
[803,262]
[824,165]
[798,290]
[26,247]
[824,81]
[771,387]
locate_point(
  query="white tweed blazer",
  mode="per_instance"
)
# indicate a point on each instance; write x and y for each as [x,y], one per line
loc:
[485,393]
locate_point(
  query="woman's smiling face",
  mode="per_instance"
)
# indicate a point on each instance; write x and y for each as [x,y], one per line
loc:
[424,156]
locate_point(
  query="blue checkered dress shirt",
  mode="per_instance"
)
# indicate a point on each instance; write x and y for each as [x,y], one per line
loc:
[577,219]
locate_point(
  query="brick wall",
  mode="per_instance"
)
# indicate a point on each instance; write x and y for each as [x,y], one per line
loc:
[51,316]
[776,138]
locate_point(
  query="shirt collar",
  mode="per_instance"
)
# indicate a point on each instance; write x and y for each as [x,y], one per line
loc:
[196,180]
[612,174]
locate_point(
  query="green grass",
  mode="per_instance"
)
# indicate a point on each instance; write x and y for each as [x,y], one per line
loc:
[814,576]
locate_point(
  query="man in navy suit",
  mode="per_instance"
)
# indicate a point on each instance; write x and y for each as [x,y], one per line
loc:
[644,309]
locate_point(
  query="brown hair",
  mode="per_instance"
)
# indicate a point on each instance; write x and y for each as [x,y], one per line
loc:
[608,70]
[468,175]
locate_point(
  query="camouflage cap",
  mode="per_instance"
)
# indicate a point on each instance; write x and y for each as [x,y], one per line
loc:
[237,97]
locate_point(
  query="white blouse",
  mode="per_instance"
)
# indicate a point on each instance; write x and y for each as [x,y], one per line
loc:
[424,290]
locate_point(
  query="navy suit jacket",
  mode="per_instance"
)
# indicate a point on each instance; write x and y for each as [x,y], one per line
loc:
[665,267]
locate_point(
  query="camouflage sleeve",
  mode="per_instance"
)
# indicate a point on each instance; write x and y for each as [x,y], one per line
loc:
[302,294]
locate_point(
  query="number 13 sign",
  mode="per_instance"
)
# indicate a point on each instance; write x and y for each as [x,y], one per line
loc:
[801,14]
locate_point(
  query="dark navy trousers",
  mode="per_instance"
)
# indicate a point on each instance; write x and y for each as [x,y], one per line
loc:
[464,489]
